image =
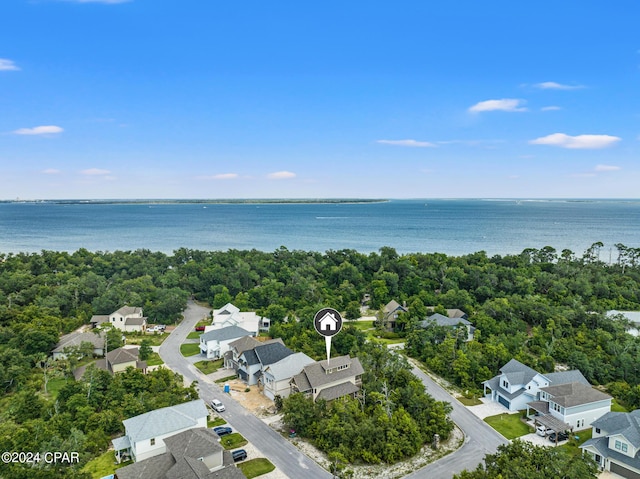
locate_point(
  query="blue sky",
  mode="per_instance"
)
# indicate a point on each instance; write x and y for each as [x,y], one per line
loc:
[403,99]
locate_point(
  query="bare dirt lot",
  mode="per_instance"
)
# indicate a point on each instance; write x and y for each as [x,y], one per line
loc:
[253,400]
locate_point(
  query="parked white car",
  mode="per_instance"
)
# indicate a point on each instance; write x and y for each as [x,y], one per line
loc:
[543,431]
[217,405]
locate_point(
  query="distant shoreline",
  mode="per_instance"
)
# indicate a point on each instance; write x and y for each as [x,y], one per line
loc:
[206,202]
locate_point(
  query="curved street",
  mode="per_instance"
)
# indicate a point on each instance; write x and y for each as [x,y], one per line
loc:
[480,438]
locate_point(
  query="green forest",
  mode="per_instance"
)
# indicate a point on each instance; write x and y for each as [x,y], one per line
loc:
[542,307]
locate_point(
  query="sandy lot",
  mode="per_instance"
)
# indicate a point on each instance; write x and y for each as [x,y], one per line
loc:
[253,400]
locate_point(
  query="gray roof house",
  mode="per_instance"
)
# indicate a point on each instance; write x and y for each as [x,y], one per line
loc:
[276,377]
[562,400]
[390,313]
[75,339]
[129,319]
[192,454]
[252,362]
[116,361]
[615,443]
[214,343]
[329,380]
[438,319]
[145,434]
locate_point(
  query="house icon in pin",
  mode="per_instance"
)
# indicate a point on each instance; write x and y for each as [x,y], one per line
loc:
[328,322]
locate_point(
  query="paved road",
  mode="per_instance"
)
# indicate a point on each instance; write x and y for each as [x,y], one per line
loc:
[280,452]
[480,438]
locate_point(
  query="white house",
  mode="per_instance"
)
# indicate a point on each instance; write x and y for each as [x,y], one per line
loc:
[214,343]
[128,319]
[145,434]
[277,376]
[575,404]
[192,454]
[565,399]
[230,315]
[615,443]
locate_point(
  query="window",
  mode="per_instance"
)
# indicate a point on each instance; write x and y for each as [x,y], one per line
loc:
[624,447]
[597,430]
[153,441]
[618,445]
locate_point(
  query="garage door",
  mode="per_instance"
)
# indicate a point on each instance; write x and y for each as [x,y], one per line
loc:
[624,472]
[504,402]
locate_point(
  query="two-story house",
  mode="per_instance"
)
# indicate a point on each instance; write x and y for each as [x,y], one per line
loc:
[192,454]
[615,443]
[329,380]
[277,376]
[562,400]
[128,319]
[230,315]
[214,343]
[390,314]
[145,434]
[252,362]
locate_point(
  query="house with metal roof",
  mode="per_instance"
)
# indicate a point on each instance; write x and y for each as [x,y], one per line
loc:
[615,443]
[214,343]
[329,380]
[277,376]
[145,434]
[192,454]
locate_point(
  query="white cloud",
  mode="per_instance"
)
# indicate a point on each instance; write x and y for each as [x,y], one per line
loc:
[8,65]
[220,176]
[50,171]
[551,108]
[39,130]
[583,142]
[95,172]
[551,85]
[607,168]
[505,104]
[281,175]
[411,143]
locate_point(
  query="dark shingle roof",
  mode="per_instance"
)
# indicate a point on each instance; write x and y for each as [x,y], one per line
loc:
[518,373]
[271,353]
[199,442]
[338,391]
[123,355]
[155,466]
[627,424]
[250,357]
[564,377]
[316,373]
[442,320]
[602,446]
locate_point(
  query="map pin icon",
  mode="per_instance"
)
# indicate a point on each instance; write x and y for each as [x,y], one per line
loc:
[328,323]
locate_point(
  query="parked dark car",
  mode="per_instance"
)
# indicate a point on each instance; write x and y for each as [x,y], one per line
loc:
[199,328]
[222,430]
[239,455]
[562,436]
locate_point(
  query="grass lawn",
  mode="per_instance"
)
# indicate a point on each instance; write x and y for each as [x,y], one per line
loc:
[572,445]
[154,360]
[194,335]
[216,422]
[256,467]
[509,425]
[208,367]
[54,386]
[103,465]
[155,339]
[361,325]
[228,378]
[469,401]
[189,349]
[617,407]
[233,440]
